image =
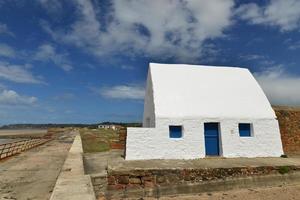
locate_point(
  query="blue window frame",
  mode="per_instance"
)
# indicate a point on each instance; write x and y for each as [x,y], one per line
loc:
[175,131]
[245,129]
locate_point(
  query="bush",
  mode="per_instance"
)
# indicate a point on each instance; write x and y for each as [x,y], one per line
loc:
[284,169]
[283,156]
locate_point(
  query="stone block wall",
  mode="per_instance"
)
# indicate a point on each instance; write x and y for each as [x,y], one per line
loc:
[99,184]
[137,179]
[289,123]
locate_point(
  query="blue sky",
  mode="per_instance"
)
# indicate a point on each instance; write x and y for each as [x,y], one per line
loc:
[86,61]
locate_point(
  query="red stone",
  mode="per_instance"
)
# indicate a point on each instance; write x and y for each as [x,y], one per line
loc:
[111,180]
[123,180]
[117,146]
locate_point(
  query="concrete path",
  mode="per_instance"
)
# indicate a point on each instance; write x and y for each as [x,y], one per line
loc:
[98,162]
[32,174]
[203,163]
[72,183]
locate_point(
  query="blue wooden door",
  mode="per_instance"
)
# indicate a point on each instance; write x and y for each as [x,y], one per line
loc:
[211,133]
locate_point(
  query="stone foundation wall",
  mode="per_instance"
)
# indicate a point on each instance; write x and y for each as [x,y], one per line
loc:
[99,184]
[289,123]
[137,179]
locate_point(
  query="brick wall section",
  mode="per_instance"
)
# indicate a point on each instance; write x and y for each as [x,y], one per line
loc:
[122,135]
[289,122]
[137,179]
[121,143]
[122,138]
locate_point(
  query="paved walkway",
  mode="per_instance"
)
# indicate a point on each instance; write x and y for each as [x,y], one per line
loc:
[32,174]
[203,163]
[72,183]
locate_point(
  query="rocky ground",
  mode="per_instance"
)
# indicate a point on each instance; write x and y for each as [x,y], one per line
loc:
[289,120]
[32,174]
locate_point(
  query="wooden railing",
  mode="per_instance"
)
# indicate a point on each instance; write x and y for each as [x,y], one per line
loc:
[12,148]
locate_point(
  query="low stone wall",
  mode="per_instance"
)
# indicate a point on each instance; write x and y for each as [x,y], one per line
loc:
[289,122]
[99,182]
[205,186]
[136,179]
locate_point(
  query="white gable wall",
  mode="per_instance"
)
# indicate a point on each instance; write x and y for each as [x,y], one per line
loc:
[149,115]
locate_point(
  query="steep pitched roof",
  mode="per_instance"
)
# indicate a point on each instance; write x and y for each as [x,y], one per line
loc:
[181,90]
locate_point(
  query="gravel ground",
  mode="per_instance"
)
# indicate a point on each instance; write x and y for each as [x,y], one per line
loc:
[286,192]
[31,175]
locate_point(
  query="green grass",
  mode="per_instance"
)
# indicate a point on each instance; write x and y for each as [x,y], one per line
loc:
[284,169]
[97,140]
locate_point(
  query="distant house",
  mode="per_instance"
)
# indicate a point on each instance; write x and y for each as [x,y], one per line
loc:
[198,111]
[105,126]
[109,126]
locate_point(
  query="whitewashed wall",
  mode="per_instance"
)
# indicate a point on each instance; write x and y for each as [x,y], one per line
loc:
[149,115]
[154,143]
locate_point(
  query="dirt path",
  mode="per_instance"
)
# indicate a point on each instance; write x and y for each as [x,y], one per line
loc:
[291,192]
[32,174]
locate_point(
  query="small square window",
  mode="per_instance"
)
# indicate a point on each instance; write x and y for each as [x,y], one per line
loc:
[245,129]
[175,131]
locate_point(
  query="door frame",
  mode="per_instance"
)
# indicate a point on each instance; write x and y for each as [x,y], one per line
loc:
[219,139]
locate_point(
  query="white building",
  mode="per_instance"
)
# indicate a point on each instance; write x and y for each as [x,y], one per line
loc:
[197,111]
[108,126]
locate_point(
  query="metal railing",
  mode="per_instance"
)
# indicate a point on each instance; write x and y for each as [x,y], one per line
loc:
[12,148]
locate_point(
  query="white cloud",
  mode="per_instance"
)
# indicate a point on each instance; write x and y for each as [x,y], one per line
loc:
[280,87]
[261,60]
[127,67]
[294,45]
[122,92]
[47,53]
[4,30]
[17,73]
[252,57]
[10,97]
[284,14]
[170,28]
[7,51]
